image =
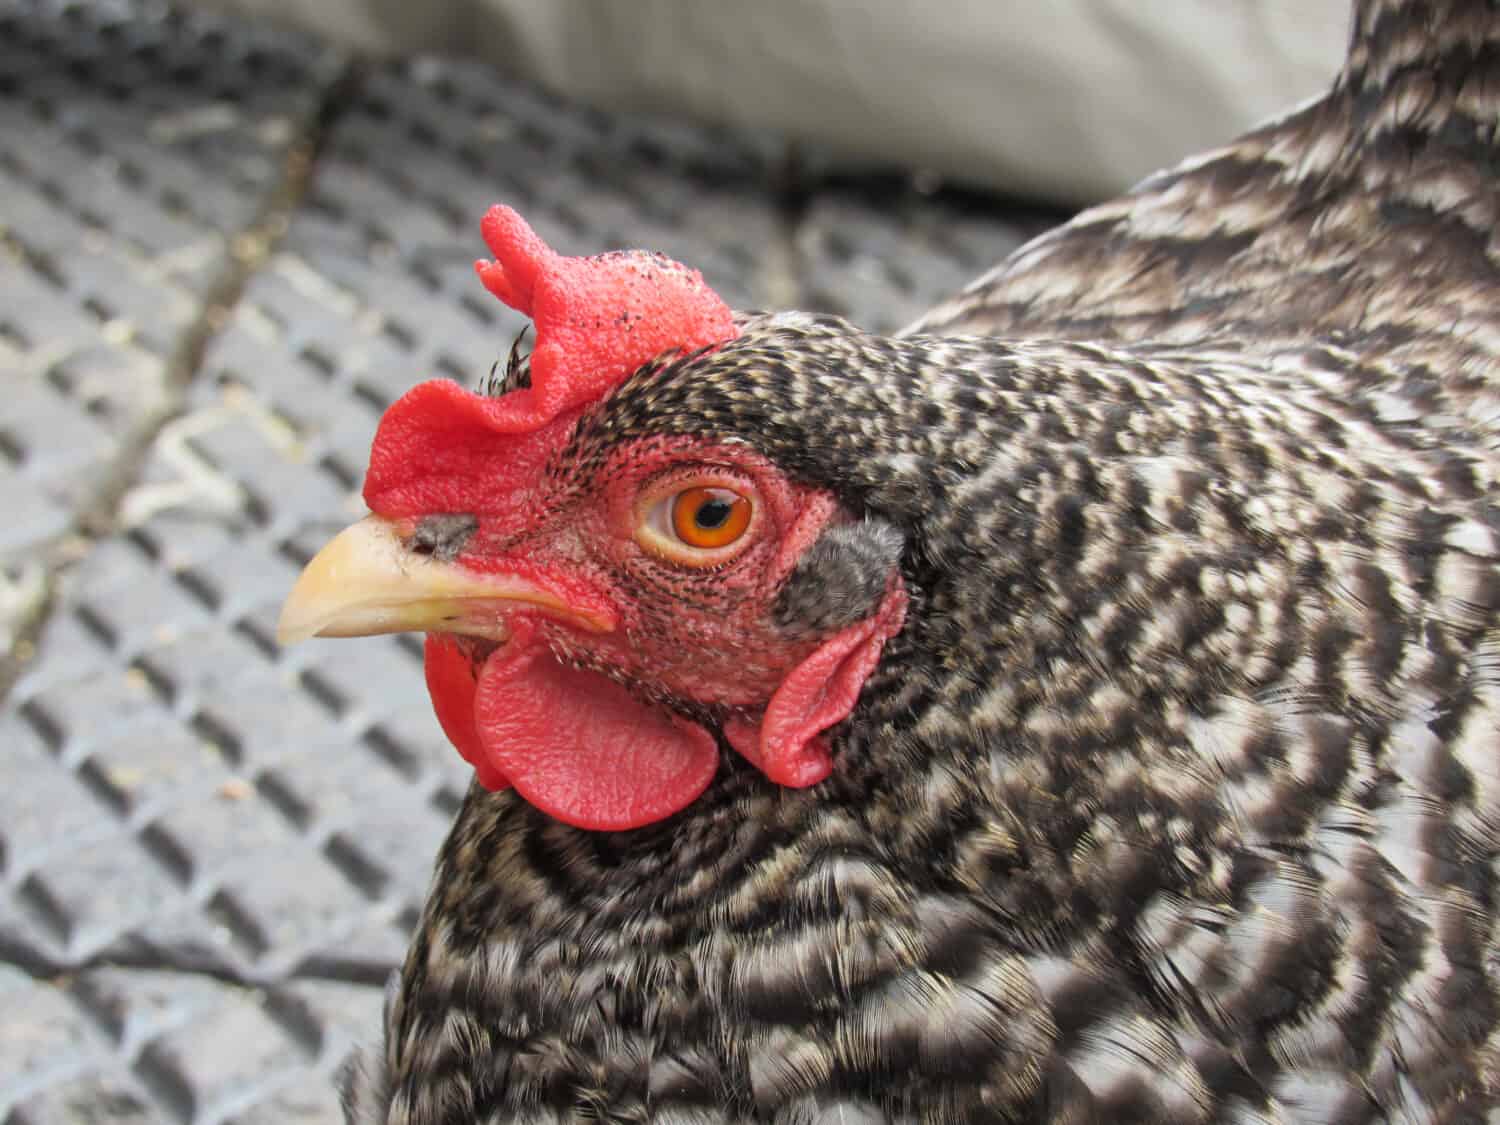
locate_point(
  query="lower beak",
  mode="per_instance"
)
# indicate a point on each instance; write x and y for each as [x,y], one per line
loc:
[367,581]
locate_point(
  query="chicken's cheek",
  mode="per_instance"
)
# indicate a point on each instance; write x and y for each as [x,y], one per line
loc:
[577,745]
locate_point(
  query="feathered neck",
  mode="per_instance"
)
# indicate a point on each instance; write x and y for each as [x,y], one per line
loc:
[1406,56]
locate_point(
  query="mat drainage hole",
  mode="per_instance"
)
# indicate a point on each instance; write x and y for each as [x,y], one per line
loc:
[176,204]
[399,334]
[218,736]
[257,635]
[346,477]
[47,728]
[45,908]
[170,856]
[320,361]
[96,779]
[14,336]
[280,795]
[96,626]
[331,699]
[244,932]
[199,588]
[363,872]
[446,800]
[44,267]
[450,367]
[158,681]
[480,312]
[369,395]
[425,275]
[393,753]
[11,448]
[423,133]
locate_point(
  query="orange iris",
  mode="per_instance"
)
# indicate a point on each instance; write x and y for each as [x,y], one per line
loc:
[709,517]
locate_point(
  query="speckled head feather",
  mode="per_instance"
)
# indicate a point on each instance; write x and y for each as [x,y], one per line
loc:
[1178,797]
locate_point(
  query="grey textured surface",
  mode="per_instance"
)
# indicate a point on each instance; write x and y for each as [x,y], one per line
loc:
[211,850]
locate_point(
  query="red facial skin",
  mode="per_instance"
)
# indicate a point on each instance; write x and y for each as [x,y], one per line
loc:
[700,633]
[588,724]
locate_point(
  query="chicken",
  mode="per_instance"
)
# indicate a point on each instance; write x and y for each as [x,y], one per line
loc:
[1099,723]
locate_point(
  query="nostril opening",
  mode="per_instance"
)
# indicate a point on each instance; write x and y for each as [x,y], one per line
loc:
[442,536]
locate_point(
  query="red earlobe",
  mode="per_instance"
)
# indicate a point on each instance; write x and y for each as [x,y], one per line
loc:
[786,744]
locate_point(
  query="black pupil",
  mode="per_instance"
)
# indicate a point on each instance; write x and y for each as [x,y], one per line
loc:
[712,513]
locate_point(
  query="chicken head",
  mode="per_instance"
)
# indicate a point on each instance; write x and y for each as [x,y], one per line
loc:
[603,614]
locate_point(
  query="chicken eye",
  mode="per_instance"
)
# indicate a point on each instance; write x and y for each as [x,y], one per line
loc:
[697,523]
[708,518]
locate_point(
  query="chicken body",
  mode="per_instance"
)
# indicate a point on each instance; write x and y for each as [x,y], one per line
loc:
[1177,797]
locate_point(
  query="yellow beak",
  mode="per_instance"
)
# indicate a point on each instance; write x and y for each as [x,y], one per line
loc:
[367,581]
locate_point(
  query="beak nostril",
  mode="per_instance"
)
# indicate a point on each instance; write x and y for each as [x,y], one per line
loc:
[442,536]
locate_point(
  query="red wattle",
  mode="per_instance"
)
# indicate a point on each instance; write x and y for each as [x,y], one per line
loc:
[580,747]
[451,683]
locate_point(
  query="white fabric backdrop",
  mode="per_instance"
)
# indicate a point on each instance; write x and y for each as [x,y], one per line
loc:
[1070,100]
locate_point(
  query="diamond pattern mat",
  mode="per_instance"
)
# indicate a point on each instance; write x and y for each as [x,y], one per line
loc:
[134,143]
[115,1045]
[212,850]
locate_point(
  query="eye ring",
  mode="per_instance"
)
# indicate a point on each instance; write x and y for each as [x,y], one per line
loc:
[698,521]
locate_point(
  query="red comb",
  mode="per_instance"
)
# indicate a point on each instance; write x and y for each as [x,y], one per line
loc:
[597,320]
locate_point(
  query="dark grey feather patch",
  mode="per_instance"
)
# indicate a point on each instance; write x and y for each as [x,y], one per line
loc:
[839,579]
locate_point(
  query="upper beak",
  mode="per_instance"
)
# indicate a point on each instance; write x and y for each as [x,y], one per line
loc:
[366,581]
